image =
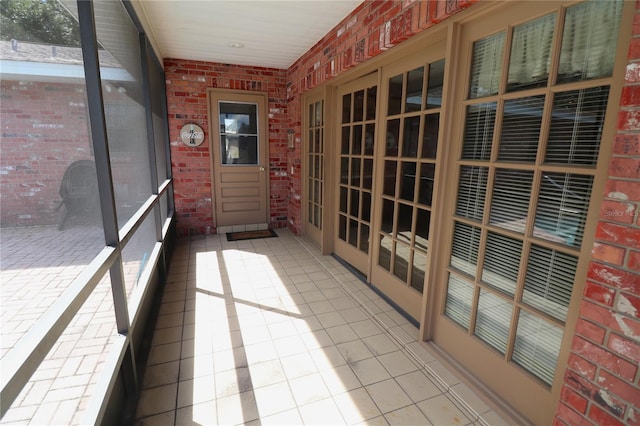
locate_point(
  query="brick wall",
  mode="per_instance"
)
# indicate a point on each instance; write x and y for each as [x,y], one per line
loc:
[372,28]
[187,83]
[602,379]
[44,129]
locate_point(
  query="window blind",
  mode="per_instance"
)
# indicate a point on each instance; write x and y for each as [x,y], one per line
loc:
[478,132]
[464,254]
[472,192]
[458,303]
[502,262]
[511,197]
[520,132]
[486,66]
[493,320]
[549,281]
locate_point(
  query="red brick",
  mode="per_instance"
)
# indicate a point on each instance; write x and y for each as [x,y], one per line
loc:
[625,347]
[626,167]
[623,190]
[608,318]
[568,416]
[608,254]
[633,261]
[614,277]
[582,367]
[634,49]
[576,401]
[616,211]
[590,330]
[622,389]
[622,235]
[627,144]
[603,358]
[603,418]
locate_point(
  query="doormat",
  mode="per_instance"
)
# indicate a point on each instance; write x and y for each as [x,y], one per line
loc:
[250,235]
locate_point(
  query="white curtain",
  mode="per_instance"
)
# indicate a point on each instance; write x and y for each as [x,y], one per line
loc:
[531,51]
[589,39]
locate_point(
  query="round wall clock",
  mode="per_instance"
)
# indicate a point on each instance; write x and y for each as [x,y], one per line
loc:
[191,134]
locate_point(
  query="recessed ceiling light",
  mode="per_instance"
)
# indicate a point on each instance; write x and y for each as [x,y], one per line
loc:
[236,44]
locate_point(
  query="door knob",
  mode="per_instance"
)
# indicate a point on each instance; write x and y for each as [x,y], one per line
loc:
[261,169]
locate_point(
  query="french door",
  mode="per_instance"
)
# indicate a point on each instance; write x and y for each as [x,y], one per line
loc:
[356,106]
[315,171]
[531,113]
[413,92]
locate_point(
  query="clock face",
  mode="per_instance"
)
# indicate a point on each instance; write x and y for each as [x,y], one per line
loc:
[191,135]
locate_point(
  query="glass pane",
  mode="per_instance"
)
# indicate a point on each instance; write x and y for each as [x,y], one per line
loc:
[135,258]
[427,178]
[344,170]
[387,216]
[51,223]
[390,168]
[364,238]
[401,261]
[531,54]
[366,206]
[589,40]
[430,135]
[418,270]
[358,105]
[511,197]
[520,133]
[435,84]
[459,298]
[493,320]
[549,281]
[478,132]
[408,183]
[393,138]
[345,140]
[405,219]
[342,227]
[317,138]
[356,143]
[238,118]
[576,126]
[159,114]
[472,192]
[353,232]
[369,139]
[423,220]
[464,253]
[367,172]
[502,263]
[372,94]
[486,66]
[384,255]
[319,113]
[410,137]
[537,346]
[312,121]
[355,203]
[239,133]
[414,90]
[343,199]
[562,207]
[395,95]
[346,108]
[355,171]
[239,149]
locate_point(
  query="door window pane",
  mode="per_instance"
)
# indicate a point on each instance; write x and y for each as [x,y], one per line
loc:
[394,103]
[511,197]
[414,90]
[531,54]
[589,40]
[502,263]
[435,84]
[472,189]
[520,133]
[464,254]
[493,320]
[410,137]
[430,135]
[458,302]
[537,345]
[427,179]
[238,133]
[486,66]
[576,126]
[478,132]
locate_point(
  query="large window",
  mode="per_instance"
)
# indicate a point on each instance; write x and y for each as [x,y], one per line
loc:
[532,133]
[86,197]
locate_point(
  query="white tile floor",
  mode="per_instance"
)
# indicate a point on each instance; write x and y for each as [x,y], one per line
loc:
[268,331]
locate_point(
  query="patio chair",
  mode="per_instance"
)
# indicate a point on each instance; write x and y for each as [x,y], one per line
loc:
[79,192]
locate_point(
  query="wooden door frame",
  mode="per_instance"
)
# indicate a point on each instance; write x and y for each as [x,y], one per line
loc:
[263,133]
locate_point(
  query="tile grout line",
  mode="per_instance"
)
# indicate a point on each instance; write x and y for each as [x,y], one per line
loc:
[440,383]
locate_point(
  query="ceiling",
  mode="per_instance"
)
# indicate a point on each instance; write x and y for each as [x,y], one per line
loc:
[273,33]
